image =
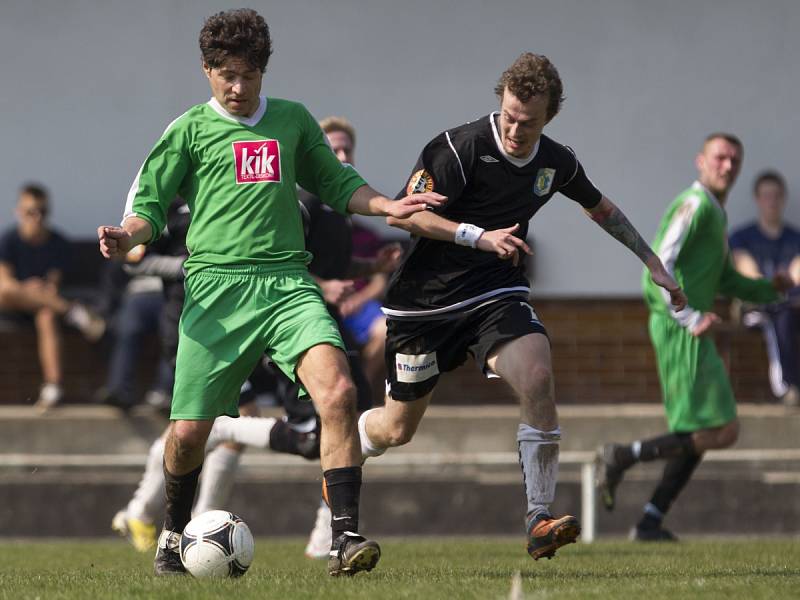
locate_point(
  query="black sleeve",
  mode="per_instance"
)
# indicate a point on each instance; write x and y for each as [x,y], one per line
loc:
[578,187]
[439,168]
[60,253]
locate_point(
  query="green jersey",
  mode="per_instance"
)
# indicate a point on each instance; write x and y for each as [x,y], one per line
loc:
[692,243]
[239,178]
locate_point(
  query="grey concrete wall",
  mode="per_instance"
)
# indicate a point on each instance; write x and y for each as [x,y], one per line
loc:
[88,86]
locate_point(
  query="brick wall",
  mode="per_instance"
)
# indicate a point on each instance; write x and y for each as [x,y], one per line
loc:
[601,353]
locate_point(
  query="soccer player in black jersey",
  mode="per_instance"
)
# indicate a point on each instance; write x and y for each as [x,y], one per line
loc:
[462,287]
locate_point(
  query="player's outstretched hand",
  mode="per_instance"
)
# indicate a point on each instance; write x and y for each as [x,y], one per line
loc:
[504,243]
[782,282]
[706,323]
[413,203]
[115,242]
[662,278]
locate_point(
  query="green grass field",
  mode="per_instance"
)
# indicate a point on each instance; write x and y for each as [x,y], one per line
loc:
[448,568]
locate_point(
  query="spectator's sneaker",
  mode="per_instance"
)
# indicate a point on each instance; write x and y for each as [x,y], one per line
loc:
[50,395]
[140,534]
[609,474]
[158,399]
[652,534]
[546,535]
[319,542]
[168,558]
[352,553]
[88,322]
[791,399]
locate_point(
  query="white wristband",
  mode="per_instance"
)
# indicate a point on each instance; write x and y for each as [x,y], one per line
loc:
[467,234]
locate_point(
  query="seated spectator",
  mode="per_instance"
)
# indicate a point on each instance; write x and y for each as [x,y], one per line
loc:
[32,261]
[762,249]
[134,302]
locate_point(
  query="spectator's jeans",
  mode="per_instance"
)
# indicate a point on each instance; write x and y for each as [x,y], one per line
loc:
[137,316]
[779,324]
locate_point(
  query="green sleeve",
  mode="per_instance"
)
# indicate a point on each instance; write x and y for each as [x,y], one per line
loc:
[734,284]
[160,178]
[320,172]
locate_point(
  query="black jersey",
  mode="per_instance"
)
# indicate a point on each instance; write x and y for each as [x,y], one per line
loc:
[491,189]
[329,237]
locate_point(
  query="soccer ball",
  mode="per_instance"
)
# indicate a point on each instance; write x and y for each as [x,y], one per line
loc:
[217,544]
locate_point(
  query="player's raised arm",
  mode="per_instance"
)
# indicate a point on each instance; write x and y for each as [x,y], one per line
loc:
[613,220]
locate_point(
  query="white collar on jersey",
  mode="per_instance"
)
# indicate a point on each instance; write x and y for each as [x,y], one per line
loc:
[517,162]
[699,186]
[249,121]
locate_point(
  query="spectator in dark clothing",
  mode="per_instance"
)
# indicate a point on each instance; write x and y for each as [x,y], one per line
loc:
[33,258]
[762,249]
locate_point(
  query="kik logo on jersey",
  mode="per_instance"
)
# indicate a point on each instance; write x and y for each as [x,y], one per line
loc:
[544,179]
[257,162]
[420,182]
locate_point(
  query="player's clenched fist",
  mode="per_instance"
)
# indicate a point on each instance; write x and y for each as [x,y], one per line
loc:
[115,242]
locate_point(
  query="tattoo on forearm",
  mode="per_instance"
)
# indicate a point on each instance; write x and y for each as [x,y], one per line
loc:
[617,224]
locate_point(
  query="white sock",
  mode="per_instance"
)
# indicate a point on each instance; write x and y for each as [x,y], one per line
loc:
[148,500]
[538,457]
[368,449]
[250,431]
[216,482]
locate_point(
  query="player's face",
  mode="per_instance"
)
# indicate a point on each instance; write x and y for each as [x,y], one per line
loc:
[31,214]
[770,199]
[718,164]
[521,123]
[236,86]
[342,146]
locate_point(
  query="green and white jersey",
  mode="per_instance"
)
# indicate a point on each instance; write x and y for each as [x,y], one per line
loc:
[692,243]
[239,177]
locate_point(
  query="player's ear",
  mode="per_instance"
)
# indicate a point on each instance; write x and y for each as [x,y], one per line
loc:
[207,69]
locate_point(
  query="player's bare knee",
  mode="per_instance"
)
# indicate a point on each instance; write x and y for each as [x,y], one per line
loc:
[188,436]
[339,400]
[400,432]
[537,385]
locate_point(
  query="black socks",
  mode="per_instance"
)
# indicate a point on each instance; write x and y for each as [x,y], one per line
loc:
[343,489]
[180,491]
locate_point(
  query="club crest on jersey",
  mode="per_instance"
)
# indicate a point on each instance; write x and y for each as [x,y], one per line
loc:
[544,179]
[257,162]
[413,368]
[420,182]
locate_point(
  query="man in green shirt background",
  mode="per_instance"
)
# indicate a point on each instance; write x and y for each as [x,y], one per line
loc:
[237,160]
[698,399]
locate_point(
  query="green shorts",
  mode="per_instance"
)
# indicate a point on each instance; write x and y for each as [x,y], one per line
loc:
[231,316]
[695,386]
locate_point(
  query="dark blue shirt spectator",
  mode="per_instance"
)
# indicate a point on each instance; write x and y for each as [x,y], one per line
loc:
[34,260]
[771,255]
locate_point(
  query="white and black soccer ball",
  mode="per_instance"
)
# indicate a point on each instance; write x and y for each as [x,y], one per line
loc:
[217,544]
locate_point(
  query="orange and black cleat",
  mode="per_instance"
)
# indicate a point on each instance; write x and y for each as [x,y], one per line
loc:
[546,535]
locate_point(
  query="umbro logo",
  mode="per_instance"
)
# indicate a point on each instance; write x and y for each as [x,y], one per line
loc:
[489,159]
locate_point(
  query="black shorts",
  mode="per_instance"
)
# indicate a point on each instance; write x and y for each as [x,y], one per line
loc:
[418,351]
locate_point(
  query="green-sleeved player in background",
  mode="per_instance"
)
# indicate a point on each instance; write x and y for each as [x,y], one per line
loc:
[698,399]
[237,160]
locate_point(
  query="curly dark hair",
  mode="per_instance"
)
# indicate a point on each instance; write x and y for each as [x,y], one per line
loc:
[240,33]
[533,75]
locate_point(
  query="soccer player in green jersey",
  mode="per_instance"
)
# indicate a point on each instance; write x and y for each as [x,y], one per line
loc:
[237,160]
[698,400]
